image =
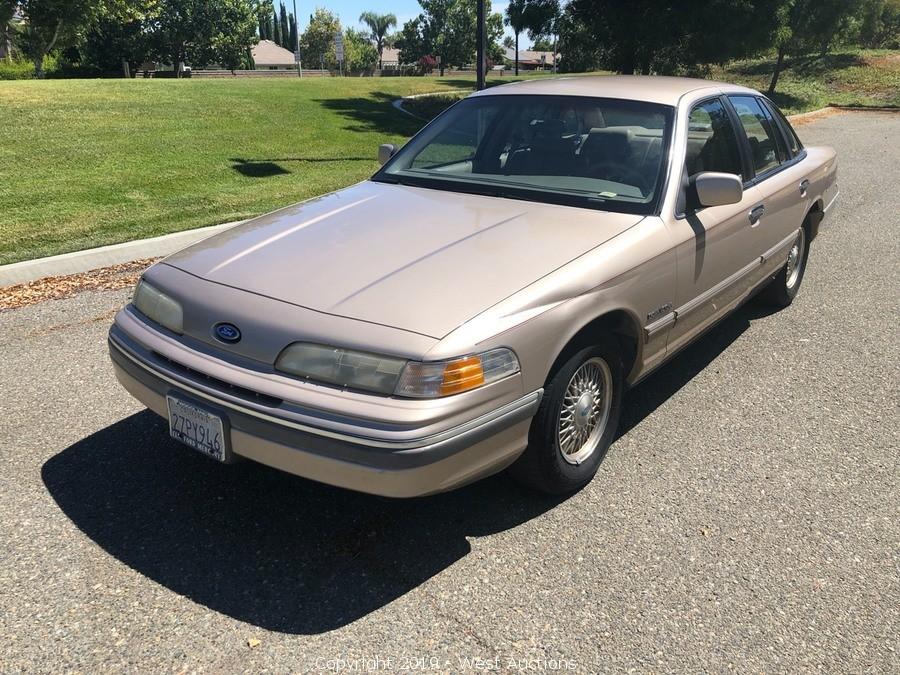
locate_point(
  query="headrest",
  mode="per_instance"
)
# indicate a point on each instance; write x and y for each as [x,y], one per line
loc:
[608,143]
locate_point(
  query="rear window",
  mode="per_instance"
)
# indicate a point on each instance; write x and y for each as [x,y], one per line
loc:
[767,149]
[793,140]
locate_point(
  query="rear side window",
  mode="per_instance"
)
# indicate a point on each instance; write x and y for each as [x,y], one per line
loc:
[767,149]
[712,143]
[793,140]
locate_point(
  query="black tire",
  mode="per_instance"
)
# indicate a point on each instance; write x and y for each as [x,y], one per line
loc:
[542,465]
[778,292]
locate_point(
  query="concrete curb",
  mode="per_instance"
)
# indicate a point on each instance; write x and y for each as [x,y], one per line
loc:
[104,256]
[811,113]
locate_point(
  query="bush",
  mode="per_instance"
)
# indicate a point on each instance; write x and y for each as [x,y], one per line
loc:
[16,70]
[427,64]
[22,69]
[429,107]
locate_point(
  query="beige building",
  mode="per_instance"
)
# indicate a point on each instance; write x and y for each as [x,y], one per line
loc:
[269,56]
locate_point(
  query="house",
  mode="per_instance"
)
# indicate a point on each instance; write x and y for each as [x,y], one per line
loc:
[390,58]
[532,60]
[269,56]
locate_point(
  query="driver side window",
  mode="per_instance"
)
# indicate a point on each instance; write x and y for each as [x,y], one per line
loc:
[712,143]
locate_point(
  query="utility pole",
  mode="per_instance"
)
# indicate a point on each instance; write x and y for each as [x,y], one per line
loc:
[297,42]
[480,60]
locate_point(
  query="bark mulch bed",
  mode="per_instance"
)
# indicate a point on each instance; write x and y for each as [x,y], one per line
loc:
[110,278]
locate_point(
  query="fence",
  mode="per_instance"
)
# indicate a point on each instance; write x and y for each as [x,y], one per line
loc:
[258,73]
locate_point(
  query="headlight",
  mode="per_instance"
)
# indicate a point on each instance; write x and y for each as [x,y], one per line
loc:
[390,375]
[341,366]
[158,307]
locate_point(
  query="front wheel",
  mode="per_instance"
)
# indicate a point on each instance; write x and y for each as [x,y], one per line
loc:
[576,421]
[782,290]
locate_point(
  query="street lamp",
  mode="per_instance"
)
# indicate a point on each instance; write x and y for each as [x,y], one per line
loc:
[480,61]
[297,41]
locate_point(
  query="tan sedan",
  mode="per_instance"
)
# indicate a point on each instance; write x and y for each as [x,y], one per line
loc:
[482,301]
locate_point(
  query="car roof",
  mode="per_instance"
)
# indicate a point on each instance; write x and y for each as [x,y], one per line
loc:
[649,88]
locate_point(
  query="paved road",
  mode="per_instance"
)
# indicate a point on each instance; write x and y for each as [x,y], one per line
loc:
[747,519]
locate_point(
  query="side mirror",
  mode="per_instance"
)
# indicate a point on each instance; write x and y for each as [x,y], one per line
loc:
[717,189]
[385,152]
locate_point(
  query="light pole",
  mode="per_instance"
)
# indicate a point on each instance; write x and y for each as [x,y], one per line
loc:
[297,41]
[480,62]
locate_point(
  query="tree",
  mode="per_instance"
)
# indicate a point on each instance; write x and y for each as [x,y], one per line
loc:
[411,42]
[52,24]
[276,29]
[359,52]
[292,21]
[204,31]
[880,24]
[317,41]
[7,12]
[234,34]
[515,19]
[446,29]
[803,26]
[285,29]
[661,36]
[379,25]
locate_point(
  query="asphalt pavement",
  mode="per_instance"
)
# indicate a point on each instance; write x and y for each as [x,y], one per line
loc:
[747,519]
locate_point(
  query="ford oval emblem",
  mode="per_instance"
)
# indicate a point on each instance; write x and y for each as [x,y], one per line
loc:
[227,332]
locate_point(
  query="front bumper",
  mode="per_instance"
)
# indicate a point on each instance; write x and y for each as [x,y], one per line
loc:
[395,465]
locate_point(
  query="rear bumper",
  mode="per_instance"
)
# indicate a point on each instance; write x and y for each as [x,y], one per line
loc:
[404,466]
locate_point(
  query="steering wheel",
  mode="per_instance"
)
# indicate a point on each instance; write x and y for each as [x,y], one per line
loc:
[620,173]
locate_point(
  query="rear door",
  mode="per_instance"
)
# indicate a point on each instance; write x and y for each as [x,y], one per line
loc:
[779,174]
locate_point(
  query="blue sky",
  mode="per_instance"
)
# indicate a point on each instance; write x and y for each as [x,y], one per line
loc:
[349,10]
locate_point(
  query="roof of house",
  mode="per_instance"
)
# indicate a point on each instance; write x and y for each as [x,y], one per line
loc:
[530,56]
[650,88]
[267,53]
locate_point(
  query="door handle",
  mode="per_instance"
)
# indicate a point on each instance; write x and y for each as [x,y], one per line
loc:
[756,213]
[804,186]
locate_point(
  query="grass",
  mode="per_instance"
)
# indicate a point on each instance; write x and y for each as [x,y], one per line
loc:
[853,78]
[90,162]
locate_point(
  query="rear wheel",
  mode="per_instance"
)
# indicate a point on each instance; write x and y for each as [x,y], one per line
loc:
[576,422]
[782,290]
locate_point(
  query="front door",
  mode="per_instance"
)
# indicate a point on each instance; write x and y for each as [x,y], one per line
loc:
[717,248]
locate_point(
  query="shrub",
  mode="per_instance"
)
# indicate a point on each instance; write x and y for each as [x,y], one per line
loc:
[16,70]
[427,64]
[23,69]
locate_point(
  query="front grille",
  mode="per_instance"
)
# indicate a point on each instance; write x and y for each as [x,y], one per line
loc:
[220,385]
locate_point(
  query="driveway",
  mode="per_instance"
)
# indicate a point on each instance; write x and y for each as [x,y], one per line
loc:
[748,518]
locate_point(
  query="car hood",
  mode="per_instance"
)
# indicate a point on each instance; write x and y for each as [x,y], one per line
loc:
[411,258]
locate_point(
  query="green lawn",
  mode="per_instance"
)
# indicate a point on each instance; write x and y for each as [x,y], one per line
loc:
[858,78]
[90,162]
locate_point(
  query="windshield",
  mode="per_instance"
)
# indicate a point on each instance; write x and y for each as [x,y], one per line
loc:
[593,152]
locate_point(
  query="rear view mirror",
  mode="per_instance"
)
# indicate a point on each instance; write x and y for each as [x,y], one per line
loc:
[385,152]
[717,189]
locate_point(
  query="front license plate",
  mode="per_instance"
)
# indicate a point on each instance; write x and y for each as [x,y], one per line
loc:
[196,427]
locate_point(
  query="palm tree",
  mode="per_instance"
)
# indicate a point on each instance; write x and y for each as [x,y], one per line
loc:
[515,19]
[379,25]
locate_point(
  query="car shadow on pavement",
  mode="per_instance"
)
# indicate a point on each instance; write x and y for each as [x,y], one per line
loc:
[288,554]
[661,385]
[263,546]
